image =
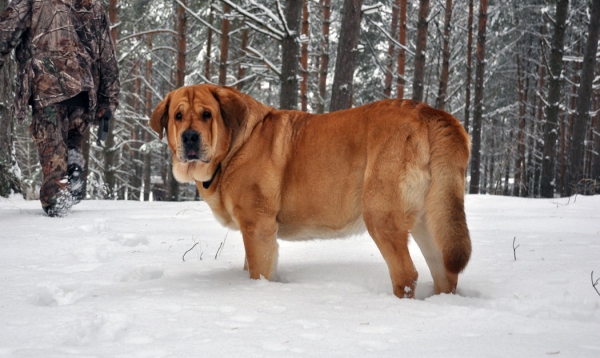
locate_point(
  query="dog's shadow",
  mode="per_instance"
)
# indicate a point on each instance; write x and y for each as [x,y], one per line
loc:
[347,277]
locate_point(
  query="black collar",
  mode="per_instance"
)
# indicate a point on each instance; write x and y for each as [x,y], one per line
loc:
[206,184]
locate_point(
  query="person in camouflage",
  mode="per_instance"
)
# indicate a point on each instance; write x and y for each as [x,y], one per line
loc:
[67,71]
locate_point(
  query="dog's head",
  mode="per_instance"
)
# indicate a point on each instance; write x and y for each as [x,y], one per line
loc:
[200,122]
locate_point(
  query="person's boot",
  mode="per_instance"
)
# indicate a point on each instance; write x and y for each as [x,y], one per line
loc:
[56,199]
[75,173]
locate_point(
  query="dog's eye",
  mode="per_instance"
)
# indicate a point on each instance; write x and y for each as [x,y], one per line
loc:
[178,116]
[206,115]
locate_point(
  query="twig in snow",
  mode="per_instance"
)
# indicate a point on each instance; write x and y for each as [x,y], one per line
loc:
[220,249]
[515,248]
[595,283]
[183,258]
[217,253]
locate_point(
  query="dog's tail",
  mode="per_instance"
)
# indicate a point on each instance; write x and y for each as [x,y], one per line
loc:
[444,204]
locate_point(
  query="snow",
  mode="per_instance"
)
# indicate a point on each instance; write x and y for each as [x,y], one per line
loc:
[109,281]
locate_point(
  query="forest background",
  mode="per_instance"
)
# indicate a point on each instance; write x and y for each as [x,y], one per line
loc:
[522,76]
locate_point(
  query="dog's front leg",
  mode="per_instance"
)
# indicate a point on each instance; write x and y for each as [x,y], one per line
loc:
[261,247]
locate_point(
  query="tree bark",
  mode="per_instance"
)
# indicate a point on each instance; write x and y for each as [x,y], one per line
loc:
[341,92]
[584,98]
[304,57]
[288,98]
[401,52]
[443,87]
[478,108]
[209,35]
[181,45]
[595,173]
[109,144]
[241,68]
[147,137]
[520,162]
[469,67]
[552,109]
[419,77]
[224,45]
[389,67]
[324,63]
[9,177]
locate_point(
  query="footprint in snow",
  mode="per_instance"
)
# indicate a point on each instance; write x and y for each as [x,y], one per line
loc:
[129,239]
[100,327]
[144,273]
[62,295]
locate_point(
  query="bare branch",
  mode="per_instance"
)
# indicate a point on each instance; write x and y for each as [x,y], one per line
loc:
[595,283]
[269,29]
[198,17]
[261,57]
[150,32]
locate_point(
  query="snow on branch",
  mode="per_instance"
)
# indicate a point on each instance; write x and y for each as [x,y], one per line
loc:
[269,30]
[262,58]
[396,43]
[257,28]
[282,19]
[198,17]
[150,32]
[368,10]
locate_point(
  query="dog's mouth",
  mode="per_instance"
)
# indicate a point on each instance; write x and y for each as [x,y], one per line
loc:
[193,155]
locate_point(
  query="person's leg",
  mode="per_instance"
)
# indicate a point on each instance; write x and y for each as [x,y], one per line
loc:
[49,132]
[78,123]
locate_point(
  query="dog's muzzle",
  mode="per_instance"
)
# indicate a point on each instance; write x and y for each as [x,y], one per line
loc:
[191,144]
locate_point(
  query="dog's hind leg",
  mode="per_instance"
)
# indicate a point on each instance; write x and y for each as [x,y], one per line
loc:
[391,238]
[388,226]
[443,280]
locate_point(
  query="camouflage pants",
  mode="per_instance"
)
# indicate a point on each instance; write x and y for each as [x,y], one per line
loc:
[57,131]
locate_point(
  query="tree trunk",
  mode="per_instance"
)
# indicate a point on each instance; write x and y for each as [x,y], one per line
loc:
[224,45]
[241,67]
[341,92]
[324,65]
[595,173]
[401,52]
[420,51]
[441,98]
[478,109]
[584,98]
[181,45]
[207,71]
[552,109]
[9,180]
[469,67]
[109,145]
[566,123]
[288,98]
[147,137]
[389,66]
[520,162]
[304,57]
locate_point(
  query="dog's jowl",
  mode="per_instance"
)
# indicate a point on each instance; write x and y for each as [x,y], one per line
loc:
[392,167]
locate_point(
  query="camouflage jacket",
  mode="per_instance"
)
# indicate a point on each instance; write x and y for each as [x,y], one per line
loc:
[63,48]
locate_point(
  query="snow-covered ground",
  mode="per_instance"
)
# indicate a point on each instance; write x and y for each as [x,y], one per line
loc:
[109,281]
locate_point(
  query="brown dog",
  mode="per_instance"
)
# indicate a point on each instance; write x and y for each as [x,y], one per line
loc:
[394,166]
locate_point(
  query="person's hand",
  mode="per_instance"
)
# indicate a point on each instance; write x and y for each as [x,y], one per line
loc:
[103,123]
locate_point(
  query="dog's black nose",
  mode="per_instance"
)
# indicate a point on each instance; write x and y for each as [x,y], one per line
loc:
[190,138]
[191,144]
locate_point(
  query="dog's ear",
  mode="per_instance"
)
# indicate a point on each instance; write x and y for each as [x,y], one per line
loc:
[160,116]
[234,109]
